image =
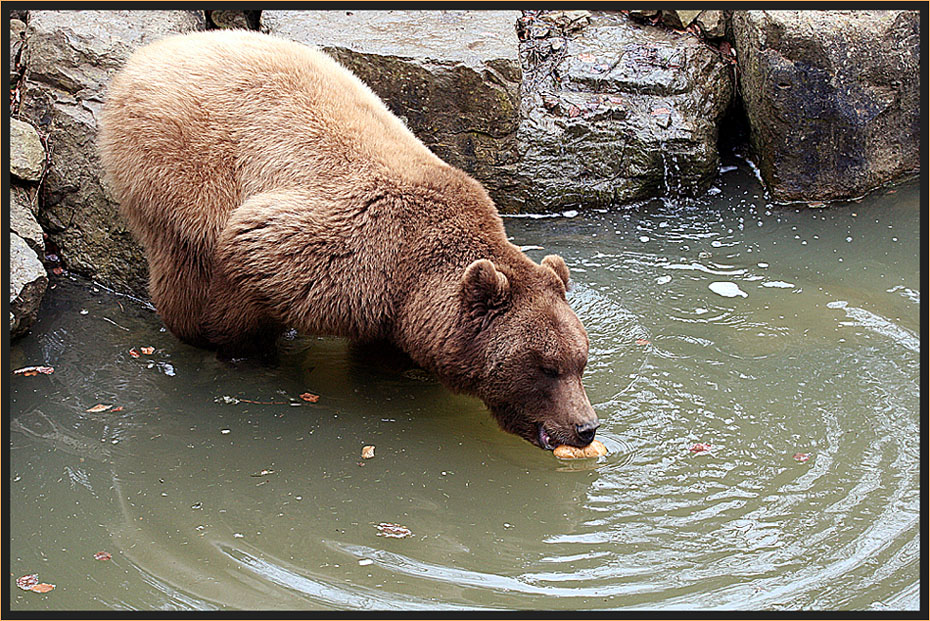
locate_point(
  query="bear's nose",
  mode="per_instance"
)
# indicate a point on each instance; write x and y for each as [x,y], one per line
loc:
[586,431]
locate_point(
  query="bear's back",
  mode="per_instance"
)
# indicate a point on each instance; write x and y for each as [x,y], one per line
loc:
[229,114]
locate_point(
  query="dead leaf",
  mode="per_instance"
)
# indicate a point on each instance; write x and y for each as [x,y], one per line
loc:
[368,452]
[310,397]
[134,353]
[660,111]
[642,342]
[574,111]
[29,371]
[148,351]
[58,272]
[102,556]
[700,447]
[42,587]
[100,407]
[118,408]
[395,531]
[801,457]
[28,581]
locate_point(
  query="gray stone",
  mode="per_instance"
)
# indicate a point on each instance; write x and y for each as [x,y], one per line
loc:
[17,33]
[712,23]
[27,155]
[623,113]
[23,220]
[453,76]
[833,98]
[231,19]
[679,19]
[28,281]
[69,57]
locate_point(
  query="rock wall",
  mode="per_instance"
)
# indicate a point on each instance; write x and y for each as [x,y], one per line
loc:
[549,109]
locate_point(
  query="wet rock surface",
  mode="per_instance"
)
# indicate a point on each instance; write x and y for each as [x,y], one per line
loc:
[68,58]
[833,98]
[453,76]
[23,220]
[618,111]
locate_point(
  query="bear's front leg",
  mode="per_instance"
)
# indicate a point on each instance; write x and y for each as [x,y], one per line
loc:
[238,326]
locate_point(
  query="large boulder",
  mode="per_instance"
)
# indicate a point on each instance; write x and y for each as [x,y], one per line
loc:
[615,111]
[28,281]
[833,98]
[68,58]
[453,76]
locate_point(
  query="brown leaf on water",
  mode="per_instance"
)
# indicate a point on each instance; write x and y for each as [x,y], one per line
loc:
[368,452]
[395,531]
[700,447]
[148,351]
[100,407]
[118,408]
[134,353]
[801,457]
[30,371]
[102,556]
[309,397]
[642,341]
[28,581]
[574,111]
[42,587]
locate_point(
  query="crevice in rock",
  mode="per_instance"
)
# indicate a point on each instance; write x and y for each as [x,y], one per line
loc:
[244,20]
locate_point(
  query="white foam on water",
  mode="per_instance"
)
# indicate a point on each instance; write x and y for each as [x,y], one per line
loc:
[727,289]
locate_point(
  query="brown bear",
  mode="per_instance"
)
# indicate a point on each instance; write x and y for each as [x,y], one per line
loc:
[270,187]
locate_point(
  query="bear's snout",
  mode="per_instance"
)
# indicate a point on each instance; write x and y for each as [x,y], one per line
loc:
[586,431]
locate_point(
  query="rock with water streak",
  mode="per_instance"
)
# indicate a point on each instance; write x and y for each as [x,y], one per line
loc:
[28,281]
[621,112]
[452,76]
[69,57]
[833,98]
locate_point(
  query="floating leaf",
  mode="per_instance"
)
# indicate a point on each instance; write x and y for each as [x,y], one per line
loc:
[29,371]
[700,447]
[102,556]
[396,531]
[42,587]
[118,408]
[642,342]
[310,397]
[801,457]
[134,353]
[100,407]
[27,582]
[148,351]
[368,452]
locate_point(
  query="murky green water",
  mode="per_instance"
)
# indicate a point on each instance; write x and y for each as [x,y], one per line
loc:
[820,358]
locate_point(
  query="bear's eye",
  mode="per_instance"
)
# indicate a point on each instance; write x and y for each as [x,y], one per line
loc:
[550,371]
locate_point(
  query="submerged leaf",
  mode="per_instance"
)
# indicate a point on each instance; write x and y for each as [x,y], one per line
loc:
[29,371]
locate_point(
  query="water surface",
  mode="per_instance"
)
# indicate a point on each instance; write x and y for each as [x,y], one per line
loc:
[215,486]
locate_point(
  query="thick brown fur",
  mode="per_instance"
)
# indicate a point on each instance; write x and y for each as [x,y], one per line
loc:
[270,188]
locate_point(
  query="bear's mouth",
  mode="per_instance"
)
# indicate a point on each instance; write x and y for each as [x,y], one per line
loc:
[543,437]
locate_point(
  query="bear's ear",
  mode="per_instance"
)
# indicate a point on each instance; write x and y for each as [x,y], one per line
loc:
[484,288]
[557,265]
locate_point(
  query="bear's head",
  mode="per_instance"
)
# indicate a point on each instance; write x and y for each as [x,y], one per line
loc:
[528,350]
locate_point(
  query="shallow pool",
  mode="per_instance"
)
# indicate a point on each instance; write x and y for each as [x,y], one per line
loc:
[755,368]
